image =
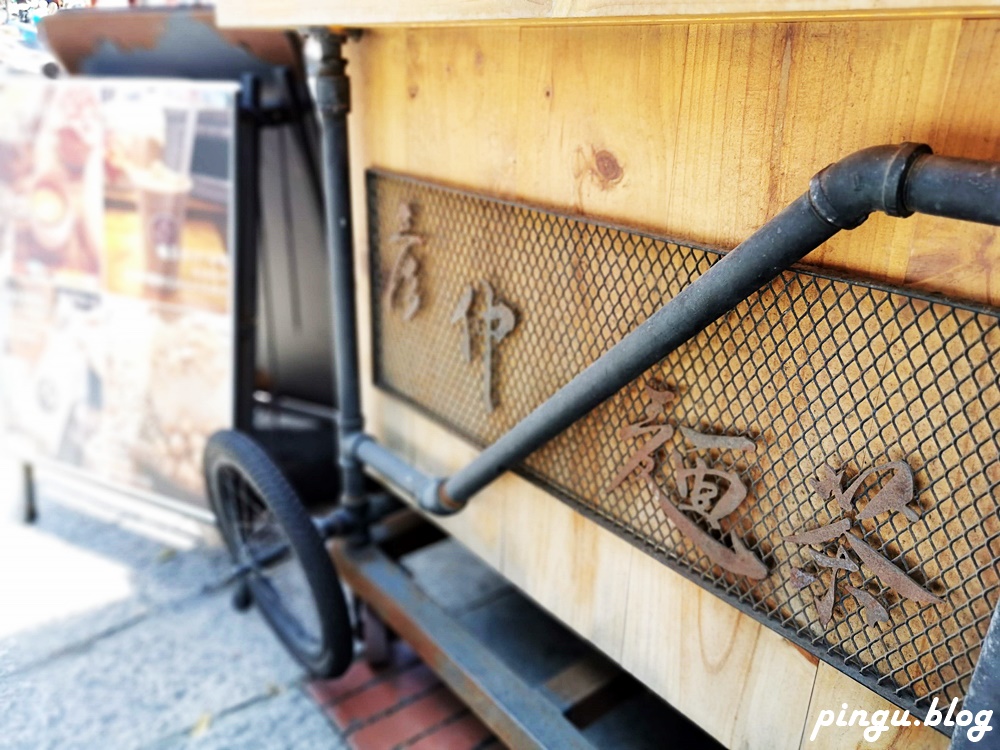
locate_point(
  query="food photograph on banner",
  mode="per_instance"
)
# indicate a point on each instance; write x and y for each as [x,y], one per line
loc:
[116,227]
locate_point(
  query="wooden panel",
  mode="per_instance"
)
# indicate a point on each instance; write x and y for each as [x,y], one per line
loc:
[741,682]
[289,13]
[705,131]
[578,574]
[832,691]
[702,132]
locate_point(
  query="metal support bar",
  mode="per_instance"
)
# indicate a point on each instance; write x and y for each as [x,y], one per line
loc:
[508,706]
[794,232]
[333,99]
[247,237]
[396,470]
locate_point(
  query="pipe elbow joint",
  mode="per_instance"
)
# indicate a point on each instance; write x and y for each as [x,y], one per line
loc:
[351,443]
[874,179]
[434,499]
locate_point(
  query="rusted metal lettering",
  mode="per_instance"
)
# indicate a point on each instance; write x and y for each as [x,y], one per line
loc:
[709,493]
[460,315]
[853,554]
[403,289]
[496,320]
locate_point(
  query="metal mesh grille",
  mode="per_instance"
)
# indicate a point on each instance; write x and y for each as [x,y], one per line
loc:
[816,370]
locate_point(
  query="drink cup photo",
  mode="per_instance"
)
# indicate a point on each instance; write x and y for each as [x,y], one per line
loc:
[161,196]
[159,168]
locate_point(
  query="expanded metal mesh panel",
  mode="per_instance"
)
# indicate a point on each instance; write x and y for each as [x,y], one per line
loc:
[816,371]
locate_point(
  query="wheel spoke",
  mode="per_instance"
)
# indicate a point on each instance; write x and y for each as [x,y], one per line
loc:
[263,547]
[260,516]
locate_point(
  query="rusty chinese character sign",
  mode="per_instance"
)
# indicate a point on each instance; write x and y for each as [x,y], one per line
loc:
[707,495]
[841,552]
[811,381]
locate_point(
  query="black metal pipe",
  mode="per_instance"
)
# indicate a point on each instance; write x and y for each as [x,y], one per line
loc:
[397,470]
[789,236]
[841,196]
[333,100]
[956,188]
[248,238]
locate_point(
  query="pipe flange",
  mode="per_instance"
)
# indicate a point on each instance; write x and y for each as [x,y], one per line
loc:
[824,208]
[894,186]
[350,444]
[435,499]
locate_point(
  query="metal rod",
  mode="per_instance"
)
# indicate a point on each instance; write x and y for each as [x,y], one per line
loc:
[333,102]
[956,188]
[397,470]
[983,696]
[269,557]
[744,270]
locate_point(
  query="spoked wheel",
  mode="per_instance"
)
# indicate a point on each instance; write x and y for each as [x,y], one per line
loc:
[272,538]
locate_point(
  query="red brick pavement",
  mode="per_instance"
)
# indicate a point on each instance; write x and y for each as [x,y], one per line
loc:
[402,706]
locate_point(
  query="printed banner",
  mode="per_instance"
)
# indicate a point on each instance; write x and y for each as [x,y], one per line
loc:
[116,226]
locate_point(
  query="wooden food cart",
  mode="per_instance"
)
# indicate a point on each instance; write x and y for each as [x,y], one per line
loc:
[528,172]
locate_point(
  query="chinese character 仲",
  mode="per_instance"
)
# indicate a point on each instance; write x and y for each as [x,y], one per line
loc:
[498,320]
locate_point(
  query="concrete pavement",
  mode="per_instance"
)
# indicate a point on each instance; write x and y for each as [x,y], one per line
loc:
[116,632]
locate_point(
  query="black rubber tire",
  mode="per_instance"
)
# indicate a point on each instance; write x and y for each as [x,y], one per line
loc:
[229,454]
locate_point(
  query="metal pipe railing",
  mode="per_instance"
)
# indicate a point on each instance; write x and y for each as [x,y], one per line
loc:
[333,100]
[738,274]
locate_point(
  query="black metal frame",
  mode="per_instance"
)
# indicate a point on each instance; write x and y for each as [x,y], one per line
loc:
[897,180]
[247,221]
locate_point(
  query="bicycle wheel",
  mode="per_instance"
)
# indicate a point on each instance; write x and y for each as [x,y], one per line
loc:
[291,576]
